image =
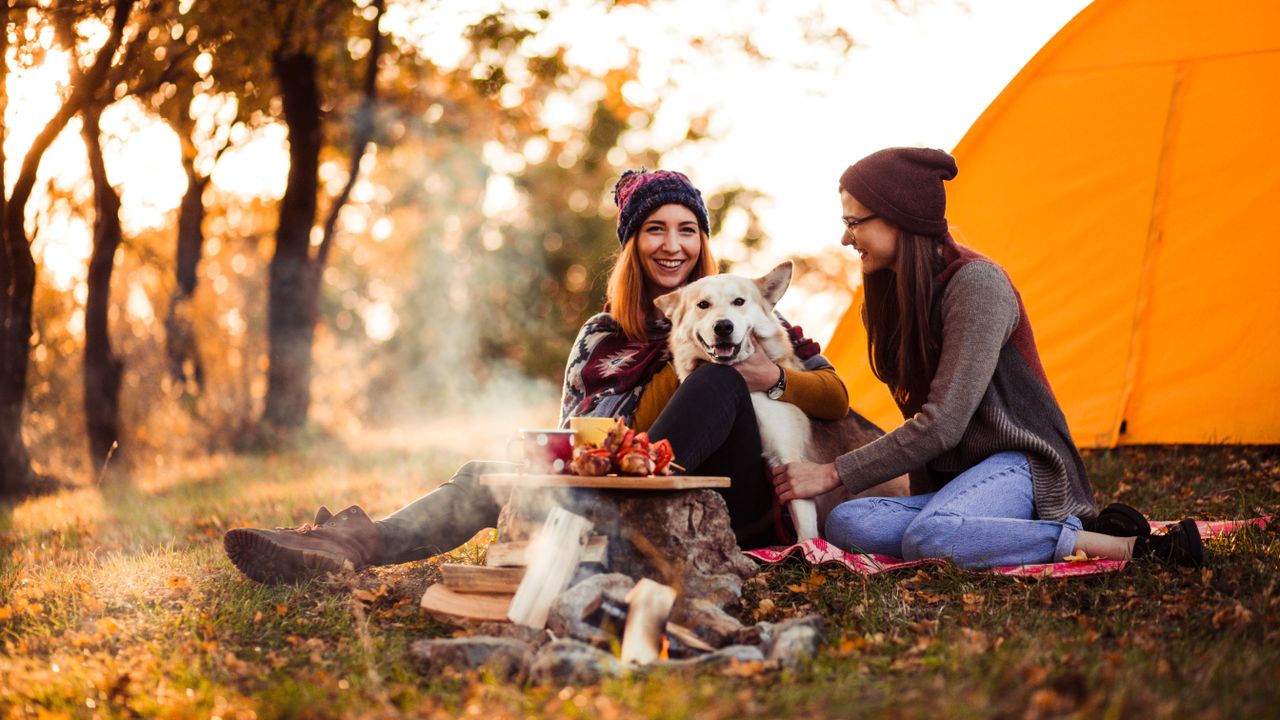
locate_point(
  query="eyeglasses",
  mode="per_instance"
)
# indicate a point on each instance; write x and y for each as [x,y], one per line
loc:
[852,223]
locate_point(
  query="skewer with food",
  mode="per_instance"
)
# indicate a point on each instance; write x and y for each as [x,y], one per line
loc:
[625,452]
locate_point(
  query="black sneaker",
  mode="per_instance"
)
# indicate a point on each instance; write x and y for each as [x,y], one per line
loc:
[1119,520]
[1181,545]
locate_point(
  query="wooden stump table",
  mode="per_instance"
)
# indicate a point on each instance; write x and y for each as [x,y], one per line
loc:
[672,529]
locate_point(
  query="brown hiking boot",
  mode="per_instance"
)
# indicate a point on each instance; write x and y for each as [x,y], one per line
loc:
[346,541]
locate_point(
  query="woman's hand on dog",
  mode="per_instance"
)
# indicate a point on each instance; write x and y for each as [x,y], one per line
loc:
[804,480]
[759,371]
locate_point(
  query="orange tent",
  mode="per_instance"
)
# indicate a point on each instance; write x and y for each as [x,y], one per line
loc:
[1129,181]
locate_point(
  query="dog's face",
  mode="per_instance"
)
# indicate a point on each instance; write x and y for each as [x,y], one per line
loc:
[718,314]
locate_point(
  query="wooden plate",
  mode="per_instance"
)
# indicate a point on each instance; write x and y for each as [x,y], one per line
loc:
[614,482]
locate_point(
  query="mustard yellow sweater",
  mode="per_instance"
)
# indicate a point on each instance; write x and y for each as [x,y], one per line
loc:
[819,393]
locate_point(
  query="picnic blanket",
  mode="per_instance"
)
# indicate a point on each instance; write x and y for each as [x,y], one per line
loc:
[819,552]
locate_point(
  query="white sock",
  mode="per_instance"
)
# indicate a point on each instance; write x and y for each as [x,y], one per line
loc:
[1107,547]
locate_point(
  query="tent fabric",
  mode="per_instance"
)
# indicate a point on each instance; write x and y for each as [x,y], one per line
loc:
[1128,179]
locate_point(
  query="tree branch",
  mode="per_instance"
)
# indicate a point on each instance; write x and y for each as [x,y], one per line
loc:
[363,135]
[81,93]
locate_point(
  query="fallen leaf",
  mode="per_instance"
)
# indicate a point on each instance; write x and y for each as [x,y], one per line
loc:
[851,644]
[766,606]
[1047,701]
[1234,615]
[1079,556]
[1034,675]
[809,584]
[740,668]
[282,610]
[973,642]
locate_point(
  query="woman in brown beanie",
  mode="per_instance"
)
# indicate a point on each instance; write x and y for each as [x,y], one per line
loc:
[995,476]
[618,367]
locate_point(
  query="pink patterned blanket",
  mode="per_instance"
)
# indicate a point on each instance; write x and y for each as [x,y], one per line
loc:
[818,552]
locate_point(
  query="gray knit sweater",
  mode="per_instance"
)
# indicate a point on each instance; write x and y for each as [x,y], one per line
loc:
[985,398]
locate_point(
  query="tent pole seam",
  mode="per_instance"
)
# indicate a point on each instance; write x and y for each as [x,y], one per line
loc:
[1151,253]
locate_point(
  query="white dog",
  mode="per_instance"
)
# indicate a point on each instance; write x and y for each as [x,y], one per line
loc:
[715,319]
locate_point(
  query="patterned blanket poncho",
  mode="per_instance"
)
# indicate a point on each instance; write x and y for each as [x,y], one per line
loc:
[607,373]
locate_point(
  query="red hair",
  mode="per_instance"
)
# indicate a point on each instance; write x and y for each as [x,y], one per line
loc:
[629,300]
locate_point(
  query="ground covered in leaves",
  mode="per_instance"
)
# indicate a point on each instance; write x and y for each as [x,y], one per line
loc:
[117,601]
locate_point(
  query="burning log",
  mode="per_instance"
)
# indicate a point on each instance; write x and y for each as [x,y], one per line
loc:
[593,610]
[688,638]
[650,606]
[553,556]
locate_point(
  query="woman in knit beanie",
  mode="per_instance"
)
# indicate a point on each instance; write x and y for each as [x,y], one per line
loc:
[619,366]
[995,477]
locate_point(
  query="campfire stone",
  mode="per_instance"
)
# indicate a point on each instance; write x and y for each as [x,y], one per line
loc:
[507,659]
[532,637]
[569,662]
[795,641]
[721,659]
[679,538]
[571,611]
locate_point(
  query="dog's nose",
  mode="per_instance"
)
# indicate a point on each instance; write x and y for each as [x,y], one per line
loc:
[724,328]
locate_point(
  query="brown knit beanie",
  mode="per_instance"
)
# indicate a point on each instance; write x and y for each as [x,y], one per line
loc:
[904,186]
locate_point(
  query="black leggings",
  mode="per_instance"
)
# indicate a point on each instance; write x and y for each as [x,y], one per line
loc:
[711,424]
[712,428]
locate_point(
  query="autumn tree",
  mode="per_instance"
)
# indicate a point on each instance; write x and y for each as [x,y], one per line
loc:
[205,96]
[17,265]
[300,55]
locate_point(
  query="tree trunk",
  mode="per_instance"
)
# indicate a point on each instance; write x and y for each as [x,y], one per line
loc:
[17,282]
[181,347]
[295,274]
[102,369]
[18,275]
[293,293]
[18,267]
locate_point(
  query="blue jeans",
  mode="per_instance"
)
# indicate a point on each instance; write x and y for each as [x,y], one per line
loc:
[984,517]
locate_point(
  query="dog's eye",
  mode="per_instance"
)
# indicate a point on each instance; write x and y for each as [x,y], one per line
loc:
[703,304]
[739,302]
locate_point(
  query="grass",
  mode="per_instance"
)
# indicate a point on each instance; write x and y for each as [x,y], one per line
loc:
[117,601]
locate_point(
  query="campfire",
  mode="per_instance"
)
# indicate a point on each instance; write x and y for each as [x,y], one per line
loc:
[623,575]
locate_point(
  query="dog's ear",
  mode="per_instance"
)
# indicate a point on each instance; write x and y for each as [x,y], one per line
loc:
[775,283]
[667,304]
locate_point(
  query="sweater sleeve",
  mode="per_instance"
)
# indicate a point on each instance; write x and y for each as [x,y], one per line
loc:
[819,393]
[979,313]
[571,390]
[655,397]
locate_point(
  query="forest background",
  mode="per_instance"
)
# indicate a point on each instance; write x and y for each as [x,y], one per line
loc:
[226,222]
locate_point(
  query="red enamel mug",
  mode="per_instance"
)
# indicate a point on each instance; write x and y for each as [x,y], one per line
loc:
[545,449]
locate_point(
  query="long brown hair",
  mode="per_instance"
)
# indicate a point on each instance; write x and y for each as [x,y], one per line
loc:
[902,347]
[629,298]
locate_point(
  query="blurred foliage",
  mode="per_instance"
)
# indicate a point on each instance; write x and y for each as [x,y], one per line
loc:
[477,241]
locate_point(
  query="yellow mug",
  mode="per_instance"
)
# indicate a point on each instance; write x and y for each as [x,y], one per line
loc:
[591,429]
